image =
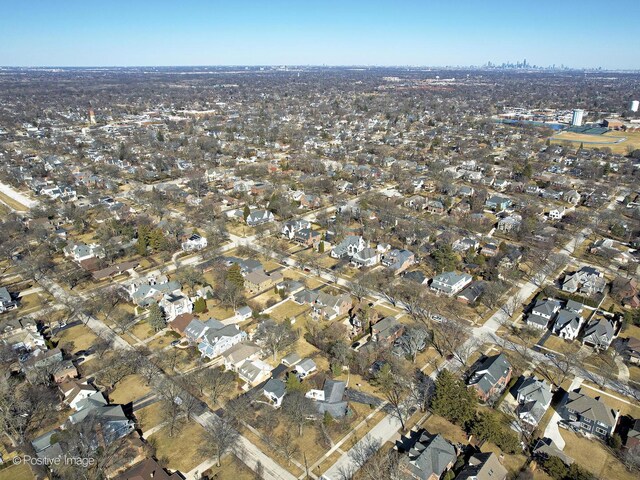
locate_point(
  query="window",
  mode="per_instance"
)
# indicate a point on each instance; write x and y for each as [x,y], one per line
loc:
[585,426]
[601,431]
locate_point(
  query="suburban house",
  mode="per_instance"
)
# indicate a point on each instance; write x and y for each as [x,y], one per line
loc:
[491,376]
[291,227]
[148,469]
[307,237]
[450,283]
[589,415]
[428,457]
[75,391]
[510,223]
[586,281]
[246,266]
[534,398]
[113,422]
[81,251]
[386,331]
[398,260]
[417,202]
[497,203]
[259,281]
[472,292]
[253,372]
[216,341]
[367,257]
[351,245]
[435,207]
[152,289]
[483,466]
[331,306]
[243,313]
[543,312]
[417,277]
[174,305]
[196,328]
[194,242]
[274,390]
[181,322]
[567,324]
[599,333]
[258,217]
[240,353]
[557,213]
[6,302]
[330,398]
[631,350]
[305,367]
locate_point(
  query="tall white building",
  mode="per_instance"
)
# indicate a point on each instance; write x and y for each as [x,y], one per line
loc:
[634,105]
[576,119]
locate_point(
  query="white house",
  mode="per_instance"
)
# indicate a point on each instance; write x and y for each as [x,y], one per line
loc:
[81,251]
[194,242]
[450,283]
[567,324]
[367,257]
[253,372]
[557,213]
[216,341]
[290,228]
[174,305]
[351,245]
[258,217]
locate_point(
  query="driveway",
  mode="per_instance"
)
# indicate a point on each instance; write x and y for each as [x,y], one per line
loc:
[552,430]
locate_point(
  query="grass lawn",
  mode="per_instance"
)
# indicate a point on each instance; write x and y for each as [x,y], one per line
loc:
[128,389]
[262,299]
[17,472]
[453,433]
[142,330]
[231,469]
[12,203]
[594,456]
[287,310]
[149,417]
[181,450]
[81,336]
[559,345]
[161,341]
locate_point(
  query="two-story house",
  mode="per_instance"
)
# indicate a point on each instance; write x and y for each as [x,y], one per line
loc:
[351,245]
[450,283]
[194,242]
[216,341]
[491,376]
[398,260]
[589,415]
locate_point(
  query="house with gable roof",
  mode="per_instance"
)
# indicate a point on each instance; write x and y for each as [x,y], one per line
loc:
[428,457]
[491,376]
[534,397]
[589,415]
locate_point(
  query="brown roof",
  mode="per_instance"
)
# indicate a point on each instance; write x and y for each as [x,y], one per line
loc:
[148,469]
[181,321]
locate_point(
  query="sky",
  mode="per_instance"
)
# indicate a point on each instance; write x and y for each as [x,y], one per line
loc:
[584,33]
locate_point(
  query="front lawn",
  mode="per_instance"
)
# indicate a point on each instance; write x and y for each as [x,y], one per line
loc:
[179,452]
[79,335]
[130,388]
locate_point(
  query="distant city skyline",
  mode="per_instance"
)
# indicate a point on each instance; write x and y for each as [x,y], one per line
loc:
[577,34]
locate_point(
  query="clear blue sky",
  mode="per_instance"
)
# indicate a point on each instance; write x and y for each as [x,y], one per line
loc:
[584,33]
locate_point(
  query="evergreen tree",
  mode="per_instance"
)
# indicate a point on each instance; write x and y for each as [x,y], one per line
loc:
[293,384]
[200,305]
[141,246]
[234,276]
[321,247]
[453,400]
[246,212]
[156,317]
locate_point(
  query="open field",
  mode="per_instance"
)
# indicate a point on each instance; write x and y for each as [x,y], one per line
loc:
[17,472]
[6,199]
[618,142]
